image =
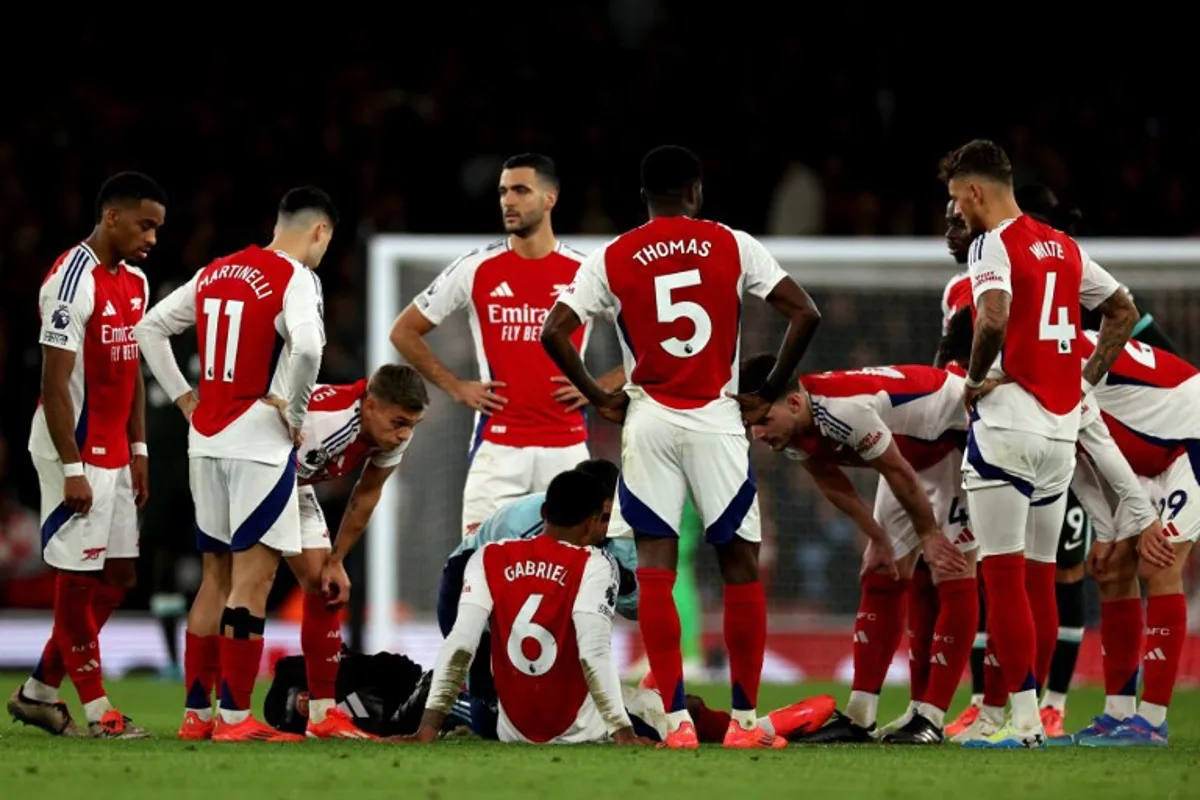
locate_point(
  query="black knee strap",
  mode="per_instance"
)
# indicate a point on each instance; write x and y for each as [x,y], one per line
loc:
[242,623]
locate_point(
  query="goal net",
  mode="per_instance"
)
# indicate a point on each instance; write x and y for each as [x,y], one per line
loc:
[880,300]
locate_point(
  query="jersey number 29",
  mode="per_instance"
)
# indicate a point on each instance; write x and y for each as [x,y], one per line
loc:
[213,316]
[524,628]
[670,311]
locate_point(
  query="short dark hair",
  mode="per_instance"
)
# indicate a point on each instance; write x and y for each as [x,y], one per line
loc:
[668,170]
[308,198]
[573,497]
[127,187]
[977,157]
[543,165]
[1039,201]
[602,470]
[756,369]
[399,385]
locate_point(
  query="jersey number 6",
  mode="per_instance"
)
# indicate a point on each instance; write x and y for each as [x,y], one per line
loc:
[669,312]
[523,628]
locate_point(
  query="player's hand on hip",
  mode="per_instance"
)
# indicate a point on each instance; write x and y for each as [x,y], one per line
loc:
[571,398]
[478,395]
[187,404]
[335,583]
[941,554]
[139,476]
[77,494]
[1154,547]
[879,557]
[614,406]
[1097,559]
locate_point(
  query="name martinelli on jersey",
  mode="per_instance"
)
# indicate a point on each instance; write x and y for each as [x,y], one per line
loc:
[678,247]
[536,569]
[251,276]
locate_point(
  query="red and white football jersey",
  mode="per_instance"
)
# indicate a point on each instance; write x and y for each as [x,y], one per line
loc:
[90,309]
[955,297]
[1048,276]
[858,413]
[244,307]
[507,298]
[1150,401]
[675,287]
[533,588]
[333,445]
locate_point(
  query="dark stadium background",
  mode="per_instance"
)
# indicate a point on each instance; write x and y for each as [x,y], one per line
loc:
[404,114]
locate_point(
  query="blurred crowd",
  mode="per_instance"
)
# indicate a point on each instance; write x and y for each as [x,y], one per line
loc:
[406,122]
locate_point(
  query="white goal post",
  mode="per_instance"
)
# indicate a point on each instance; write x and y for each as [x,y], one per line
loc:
[856,264]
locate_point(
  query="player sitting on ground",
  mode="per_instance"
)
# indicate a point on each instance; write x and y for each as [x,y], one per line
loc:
[367,424]
[259,330]
[88,444]
[1028,281]
[907,423]
[549,601]
[674,277]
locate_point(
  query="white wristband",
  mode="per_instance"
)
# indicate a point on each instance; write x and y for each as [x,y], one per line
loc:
[139,449]
[974,384]
[73,470]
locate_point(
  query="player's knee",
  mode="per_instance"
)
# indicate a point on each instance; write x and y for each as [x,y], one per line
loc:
[239,623]
[121,572]
[1072,574]
[738,560]
[1162,580]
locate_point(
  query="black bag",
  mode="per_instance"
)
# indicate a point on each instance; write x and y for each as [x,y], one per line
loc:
[383,693]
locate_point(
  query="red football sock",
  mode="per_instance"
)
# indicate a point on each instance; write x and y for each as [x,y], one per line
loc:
[201,669]
[658,621]
[877,630]
[994,691]
[1043,603]
[746,641]
[922,615]
[105,599]
[953,638]
[711,724]
[321,642]
[1121,643]
[76,634]
[239,670]
[1010,620]
[1166,629]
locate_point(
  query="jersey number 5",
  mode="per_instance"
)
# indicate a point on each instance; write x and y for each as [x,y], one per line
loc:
[523,629]
[213,315]
[669,312]
[1062,331]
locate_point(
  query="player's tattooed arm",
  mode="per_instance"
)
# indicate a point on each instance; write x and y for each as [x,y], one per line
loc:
[991,324]
[1118,316]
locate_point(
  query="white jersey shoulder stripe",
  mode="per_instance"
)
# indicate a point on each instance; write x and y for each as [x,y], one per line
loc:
[77,262]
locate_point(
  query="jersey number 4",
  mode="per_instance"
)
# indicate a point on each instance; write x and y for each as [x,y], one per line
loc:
[540,657]
[1061,331]
[213,316]
[669,311]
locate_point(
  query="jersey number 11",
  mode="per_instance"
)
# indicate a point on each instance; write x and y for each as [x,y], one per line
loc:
[213,316]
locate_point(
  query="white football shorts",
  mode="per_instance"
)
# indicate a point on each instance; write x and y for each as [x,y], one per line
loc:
[943,486]
[1176,494]
[242,503]
[661,462]
[1035,466]
[314,532]
[82,542]
[500,473]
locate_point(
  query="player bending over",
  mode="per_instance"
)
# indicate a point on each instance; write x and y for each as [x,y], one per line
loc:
[549,601]
[259,330]
[1028,281]
[369,424]
[675,286]
[907,423]
[88,444]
